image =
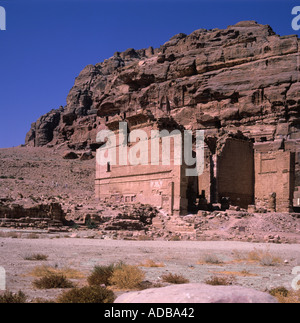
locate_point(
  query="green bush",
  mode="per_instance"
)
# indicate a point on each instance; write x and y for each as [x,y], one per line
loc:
[127,277]
[282,291]
[88,294]
[53,281]
[101,275]
[11,298]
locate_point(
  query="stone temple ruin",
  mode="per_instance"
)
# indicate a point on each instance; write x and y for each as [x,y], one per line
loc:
[239,171]
[240,85]
[163,186]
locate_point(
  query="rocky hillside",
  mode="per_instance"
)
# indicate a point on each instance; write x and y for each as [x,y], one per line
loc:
[244,77]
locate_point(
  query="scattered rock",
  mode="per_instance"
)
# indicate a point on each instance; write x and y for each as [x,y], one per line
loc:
[87,156]
[70,155]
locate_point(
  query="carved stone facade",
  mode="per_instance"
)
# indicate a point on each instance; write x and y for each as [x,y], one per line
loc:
[228,175]
[274,180]
[237,172]
[163,186]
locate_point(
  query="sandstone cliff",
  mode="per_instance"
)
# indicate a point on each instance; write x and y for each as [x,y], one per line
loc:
[245,77]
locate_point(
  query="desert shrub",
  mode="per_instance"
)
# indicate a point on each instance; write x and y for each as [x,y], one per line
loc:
[265,258]
[291,297]
[101,275]
[11,298]
[53,281]
[219,281]
[41,271]
[36,257]
[269,260]
[151,264]
[279,291]
[87,294]
[210,259]
[243,273]
[174,279]
[127,277]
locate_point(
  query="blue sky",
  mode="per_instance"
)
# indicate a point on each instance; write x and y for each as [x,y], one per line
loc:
[48,42]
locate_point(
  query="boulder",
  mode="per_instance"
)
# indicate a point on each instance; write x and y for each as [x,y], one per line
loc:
[70,155]
[87,156]
[197,293]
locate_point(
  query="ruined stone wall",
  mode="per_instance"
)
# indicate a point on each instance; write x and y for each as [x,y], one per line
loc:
[41,216]
[160,185]
[274,180]
[235,173]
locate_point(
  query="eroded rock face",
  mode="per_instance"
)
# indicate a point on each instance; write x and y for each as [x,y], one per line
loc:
[244,77]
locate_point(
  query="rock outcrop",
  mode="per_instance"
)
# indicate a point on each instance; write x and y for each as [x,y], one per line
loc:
[197,293]
[245,77]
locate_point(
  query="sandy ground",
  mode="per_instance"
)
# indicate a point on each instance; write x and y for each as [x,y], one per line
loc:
[42,174]
[180,257]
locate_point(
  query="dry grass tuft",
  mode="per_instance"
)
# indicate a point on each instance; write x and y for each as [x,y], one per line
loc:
[87,294]
[151,264]
[53,281]
[41,271]
[285,296]
[11,298]
[243,273]
[36,257]
[127,277]
[174,279]
[263,257]
[220,281]
[210,259]
[101,275]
